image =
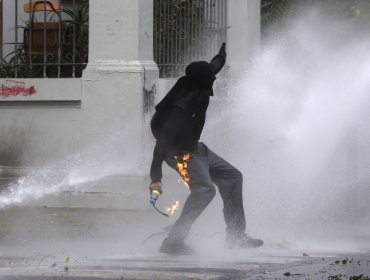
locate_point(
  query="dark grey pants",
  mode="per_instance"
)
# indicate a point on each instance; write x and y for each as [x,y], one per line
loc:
[205,170]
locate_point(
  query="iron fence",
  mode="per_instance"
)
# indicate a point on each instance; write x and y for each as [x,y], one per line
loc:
[50,39]
[185,31]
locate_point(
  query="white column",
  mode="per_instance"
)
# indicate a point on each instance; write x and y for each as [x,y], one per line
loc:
[243,34]
[121,34]
[121,72]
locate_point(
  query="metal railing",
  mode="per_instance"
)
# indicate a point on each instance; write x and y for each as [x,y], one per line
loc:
[185,31]
[54,42]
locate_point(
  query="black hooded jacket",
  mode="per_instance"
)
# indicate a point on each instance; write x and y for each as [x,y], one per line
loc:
[180,117]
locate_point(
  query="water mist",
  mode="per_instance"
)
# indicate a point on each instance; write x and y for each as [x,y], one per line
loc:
[117,154]
[299,133]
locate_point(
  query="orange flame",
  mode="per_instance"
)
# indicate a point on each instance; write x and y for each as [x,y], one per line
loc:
[182,165]
[173,208]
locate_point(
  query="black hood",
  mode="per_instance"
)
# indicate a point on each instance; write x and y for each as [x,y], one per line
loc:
[201,73]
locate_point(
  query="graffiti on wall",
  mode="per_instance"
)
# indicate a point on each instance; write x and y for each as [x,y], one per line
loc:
[149,98]
[15,88]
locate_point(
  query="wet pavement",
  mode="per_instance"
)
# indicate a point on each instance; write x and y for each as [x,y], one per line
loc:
[162,267]
[54,243]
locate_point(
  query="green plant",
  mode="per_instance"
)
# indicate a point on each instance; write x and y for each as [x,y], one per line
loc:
[15,64]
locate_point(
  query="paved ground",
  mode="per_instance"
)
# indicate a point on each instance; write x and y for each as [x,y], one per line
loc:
[54,243]
[161,267]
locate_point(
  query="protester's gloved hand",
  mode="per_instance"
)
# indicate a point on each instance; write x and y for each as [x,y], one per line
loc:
[155,186]
[222,50]
[219,60]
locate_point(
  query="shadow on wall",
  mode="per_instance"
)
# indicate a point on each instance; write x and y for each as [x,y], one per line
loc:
[11,153]
[12,146]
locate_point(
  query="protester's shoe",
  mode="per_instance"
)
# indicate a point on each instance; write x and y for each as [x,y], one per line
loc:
[175,248]
[242,241]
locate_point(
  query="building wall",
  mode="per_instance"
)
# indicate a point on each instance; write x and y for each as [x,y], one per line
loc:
[85,134]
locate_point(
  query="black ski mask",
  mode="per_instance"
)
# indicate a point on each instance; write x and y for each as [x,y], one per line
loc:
[201,73]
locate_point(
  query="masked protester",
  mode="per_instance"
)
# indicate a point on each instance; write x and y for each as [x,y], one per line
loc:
[177,125]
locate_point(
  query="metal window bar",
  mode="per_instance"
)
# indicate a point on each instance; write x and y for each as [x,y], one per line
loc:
[45,58]
[1,28]
[22,61]
[16,40]
[185,31]
[59,36]
[30,38]
[74,41]
[172,35]
[176,45]
[168,24]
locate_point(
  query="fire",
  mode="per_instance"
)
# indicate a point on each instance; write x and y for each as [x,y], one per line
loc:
[173,208]
[182,165]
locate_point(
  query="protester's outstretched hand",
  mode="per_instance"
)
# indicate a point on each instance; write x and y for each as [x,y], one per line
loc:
[223,48]
[155,186]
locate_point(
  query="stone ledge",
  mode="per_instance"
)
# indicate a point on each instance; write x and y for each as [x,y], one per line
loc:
[121,66]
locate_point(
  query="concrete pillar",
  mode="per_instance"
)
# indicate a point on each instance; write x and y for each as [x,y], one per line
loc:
[243,34]
[121,40]
[121,33]
[121,73]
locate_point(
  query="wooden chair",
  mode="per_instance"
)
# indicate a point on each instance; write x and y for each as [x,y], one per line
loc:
[33,36]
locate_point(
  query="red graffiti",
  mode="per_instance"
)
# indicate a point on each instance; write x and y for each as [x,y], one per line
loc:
[15,88]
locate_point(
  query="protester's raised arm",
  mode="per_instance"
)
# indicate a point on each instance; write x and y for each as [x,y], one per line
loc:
[219,60]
